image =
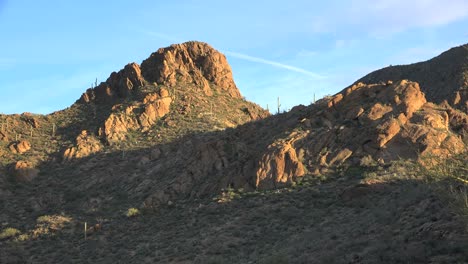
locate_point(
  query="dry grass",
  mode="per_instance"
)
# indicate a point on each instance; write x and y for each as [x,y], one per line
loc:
[9,232]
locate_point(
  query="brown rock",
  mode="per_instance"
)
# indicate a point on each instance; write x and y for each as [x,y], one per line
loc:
[154,110]
[354,113]
[279,166]
[341,157]
[457,100]
[397,123]
[31,120]
[163,92]
[3,136]
[25,171]
[402,118]
[441,78]
[434,119]
[85,146]
[411,97]
[353,88]
[20,147]
[378,111]
[335,100]
[116,126]
[118,85]
[387,131]
[190,62]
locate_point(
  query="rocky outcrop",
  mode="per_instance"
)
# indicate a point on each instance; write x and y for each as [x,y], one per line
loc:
[85,145]
[20,147]
[443,78]
[280,165]
[30,120]
[118,85]
[191,62]
[154,107]
[139,96]
[139,115]
[25,171]
[386,121]
[458,122]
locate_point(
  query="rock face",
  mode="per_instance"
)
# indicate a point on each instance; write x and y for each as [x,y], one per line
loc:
[385,121]
[279,166]
[191,62]
[118,85]
[194,63]
[85,146]
[20,146]
[138,115]
[139,95]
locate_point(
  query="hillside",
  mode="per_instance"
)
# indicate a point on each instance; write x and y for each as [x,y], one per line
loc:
[443,78]
[166,162]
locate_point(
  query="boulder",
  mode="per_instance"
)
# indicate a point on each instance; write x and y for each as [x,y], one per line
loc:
[85,145]
[20,147]
[25,171]
[280,165]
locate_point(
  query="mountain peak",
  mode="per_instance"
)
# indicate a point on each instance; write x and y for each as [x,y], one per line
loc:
[190,63]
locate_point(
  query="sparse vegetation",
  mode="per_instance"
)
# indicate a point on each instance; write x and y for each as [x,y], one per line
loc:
[222,181]
[132,212]
[9,232]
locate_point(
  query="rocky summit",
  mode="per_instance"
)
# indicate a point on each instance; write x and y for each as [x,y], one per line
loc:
[166,162]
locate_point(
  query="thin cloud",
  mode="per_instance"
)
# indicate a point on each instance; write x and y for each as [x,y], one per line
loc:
[275,64]
[393,16]
[160,35]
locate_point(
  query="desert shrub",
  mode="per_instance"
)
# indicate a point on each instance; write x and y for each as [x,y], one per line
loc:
[132,212]
[9,232]
[368,161]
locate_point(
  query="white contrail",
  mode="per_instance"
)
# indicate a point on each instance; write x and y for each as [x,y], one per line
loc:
[274,63]
[241,56]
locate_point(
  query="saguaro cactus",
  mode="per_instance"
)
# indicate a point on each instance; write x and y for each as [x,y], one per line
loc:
[279,104]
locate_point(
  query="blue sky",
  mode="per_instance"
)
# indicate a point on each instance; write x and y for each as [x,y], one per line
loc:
[52,51]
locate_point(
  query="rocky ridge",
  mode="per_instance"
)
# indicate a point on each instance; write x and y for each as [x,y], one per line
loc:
[443,78]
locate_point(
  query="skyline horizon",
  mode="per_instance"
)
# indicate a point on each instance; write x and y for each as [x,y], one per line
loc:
[247,58]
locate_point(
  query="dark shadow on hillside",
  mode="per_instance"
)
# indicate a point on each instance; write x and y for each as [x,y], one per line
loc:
[405,221]
[110,180]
